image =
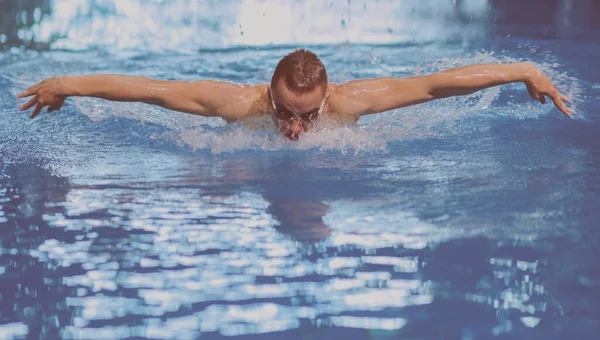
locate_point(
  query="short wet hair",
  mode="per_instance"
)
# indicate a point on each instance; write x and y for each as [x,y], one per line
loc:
[302,71]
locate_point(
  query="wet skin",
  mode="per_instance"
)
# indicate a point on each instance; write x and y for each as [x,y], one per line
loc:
[294,114]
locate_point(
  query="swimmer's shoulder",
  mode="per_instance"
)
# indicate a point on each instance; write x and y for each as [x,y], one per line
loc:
[254,102]
[339,105]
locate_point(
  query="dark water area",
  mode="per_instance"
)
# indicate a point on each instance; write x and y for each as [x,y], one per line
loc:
[465,218]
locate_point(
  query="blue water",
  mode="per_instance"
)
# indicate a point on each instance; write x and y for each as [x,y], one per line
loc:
[467,218]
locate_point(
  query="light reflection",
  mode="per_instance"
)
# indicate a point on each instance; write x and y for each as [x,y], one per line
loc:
[384,298]
[406,265]
[530,321]
[102,333]
[14,330]
[186,25]
[198,249]
[389,324]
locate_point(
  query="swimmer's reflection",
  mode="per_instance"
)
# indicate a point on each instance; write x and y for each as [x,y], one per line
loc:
[295,198]
[300,219]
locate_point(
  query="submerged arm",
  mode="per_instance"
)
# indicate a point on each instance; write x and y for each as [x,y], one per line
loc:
[367,96]
[206,97]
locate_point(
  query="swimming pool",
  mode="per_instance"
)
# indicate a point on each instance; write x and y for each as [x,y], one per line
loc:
[469,218]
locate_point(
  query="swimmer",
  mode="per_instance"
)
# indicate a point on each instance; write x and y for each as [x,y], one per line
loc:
[298,95]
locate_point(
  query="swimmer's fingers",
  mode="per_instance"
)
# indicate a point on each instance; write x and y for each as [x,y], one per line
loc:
[564,98]
[56,106]
[27,93]
[558,101]
[36,111]
[535,95]
[35,87]
[541,98]
[30,91]
[29,104]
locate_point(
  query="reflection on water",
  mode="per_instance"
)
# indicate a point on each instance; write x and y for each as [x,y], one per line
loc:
[257,243]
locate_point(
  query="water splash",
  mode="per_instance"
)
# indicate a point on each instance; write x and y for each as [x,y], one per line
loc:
[374,133]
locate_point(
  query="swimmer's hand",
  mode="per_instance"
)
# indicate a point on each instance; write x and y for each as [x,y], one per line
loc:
[539,86]
[50,92]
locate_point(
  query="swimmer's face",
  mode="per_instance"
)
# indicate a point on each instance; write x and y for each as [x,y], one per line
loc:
[294,113]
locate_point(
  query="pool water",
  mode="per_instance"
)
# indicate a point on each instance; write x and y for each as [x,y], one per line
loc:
[466,218]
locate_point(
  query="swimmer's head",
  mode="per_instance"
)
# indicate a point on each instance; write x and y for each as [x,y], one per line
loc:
[298,92]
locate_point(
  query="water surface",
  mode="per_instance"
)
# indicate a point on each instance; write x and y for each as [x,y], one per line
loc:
[467,218]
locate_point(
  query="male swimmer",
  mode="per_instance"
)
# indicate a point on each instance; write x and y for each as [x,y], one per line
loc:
[298,95]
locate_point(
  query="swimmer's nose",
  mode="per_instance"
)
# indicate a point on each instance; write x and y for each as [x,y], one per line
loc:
[295,130]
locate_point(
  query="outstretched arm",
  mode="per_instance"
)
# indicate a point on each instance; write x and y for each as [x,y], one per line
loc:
[206,97]
[367,96]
